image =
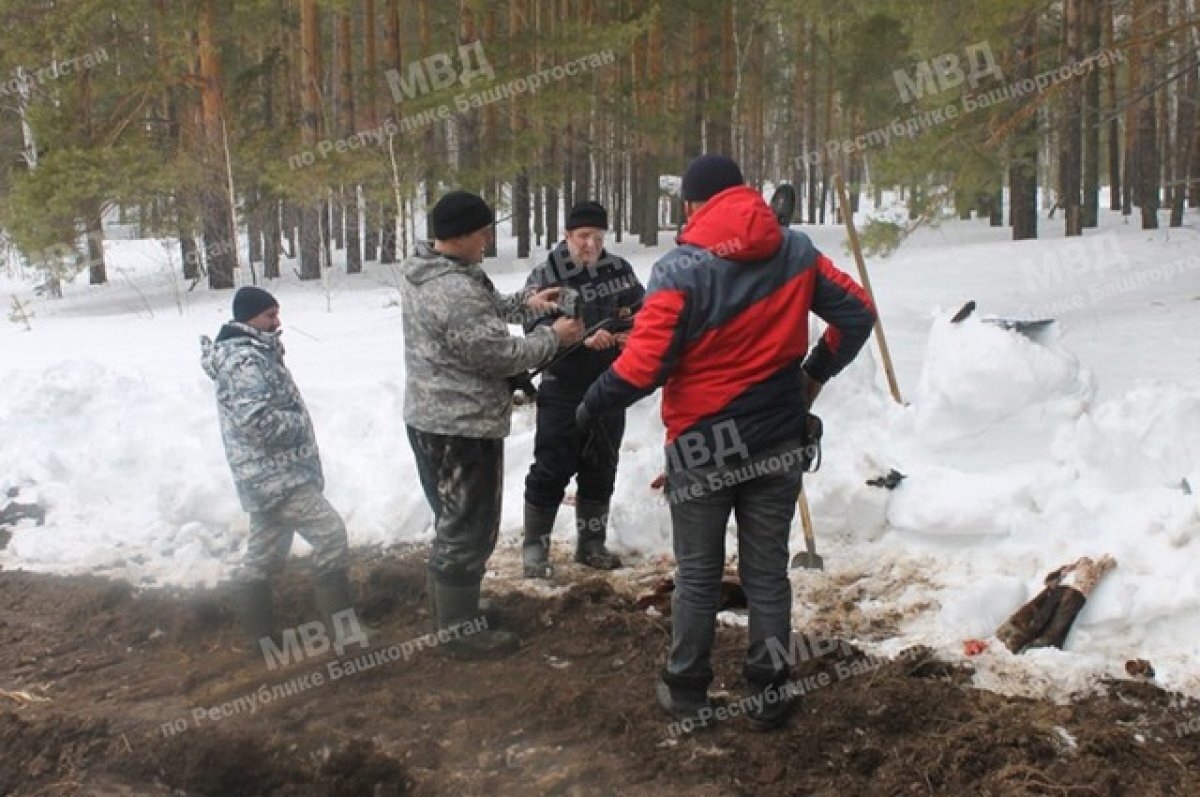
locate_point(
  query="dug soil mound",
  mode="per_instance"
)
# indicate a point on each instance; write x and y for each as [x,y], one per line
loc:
[108,691]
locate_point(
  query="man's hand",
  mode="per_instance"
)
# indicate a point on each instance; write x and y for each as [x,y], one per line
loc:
[569,330]
[544,301]
[602,339]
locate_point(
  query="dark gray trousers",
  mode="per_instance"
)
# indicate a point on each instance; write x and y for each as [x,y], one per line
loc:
[763,505]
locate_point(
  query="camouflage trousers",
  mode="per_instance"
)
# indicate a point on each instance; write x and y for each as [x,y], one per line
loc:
[304,511]
[463,480]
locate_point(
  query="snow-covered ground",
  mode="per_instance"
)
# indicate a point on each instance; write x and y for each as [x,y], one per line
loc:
[1020,455]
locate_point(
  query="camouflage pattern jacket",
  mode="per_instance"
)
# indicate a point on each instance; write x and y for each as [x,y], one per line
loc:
[269,439]
[458,350]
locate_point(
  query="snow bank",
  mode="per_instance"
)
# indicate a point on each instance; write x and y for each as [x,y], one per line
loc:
[1020,455]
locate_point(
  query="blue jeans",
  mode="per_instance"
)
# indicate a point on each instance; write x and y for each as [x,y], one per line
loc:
[763,506]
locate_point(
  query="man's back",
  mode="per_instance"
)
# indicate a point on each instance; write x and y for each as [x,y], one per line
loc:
[724,326]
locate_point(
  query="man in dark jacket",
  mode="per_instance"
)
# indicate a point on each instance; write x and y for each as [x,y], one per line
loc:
[272,451]
[724,329]
[607,291]
[458,355]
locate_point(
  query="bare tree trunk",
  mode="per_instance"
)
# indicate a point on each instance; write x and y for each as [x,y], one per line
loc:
[996,204]
[489,139]
[1185,130]
[826,172]
[370,65]
[550,210]
[693,129]
[337,221]
[1163,103]
[290,216]
[467,125]
[520,195]
[219,232]
[97,272]
[1090,22]
[371,120]
[797,144]
[254,226]
[1129,193]
[1114,124]
[1023,149]
[1194,171]
[810,117]
[722,122]
[185,212]
[539,227]
[271,237]
[347,194]
[650,163]
[1069,168]
[391,214]
[326,211]
[93,221]
[1147,138]
[189,251]
[310,76]
[431,144]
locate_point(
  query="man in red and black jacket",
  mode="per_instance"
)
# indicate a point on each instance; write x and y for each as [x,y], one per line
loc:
[724,331]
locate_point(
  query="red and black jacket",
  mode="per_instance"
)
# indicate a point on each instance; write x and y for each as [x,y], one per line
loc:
[724,327]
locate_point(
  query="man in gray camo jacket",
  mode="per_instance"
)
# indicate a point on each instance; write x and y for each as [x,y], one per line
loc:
[272,451]
[458,355]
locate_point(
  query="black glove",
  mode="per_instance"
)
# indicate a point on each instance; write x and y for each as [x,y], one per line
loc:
[583,418]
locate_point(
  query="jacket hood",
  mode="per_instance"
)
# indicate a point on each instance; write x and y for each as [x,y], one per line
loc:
[736,224]
[233,337]
[426,264]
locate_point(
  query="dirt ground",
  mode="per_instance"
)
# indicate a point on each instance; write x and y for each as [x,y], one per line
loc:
[107,691]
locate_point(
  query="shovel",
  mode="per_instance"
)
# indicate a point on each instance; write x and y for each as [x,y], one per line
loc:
[809,559]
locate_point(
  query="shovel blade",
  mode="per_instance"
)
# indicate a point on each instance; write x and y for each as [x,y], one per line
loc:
[808,560]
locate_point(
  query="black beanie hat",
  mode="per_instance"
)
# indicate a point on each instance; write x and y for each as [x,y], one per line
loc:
[708,176]
[587,214]
[459,213]
[249,301]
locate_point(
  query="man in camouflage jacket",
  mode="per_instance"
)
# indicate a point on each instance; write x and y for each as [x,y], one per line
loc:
[272,452]
[458,355]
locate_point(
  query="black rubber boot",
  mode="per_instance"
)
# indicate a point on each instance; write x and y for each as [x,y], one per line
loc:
[535,550]
[459,619]
[591,525]
[256,611]
[490,611]
[333,596]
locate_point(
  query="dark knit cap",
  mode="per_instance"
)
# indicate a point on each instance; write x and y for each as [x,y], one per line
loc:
[708,176]
[249,301]
[587,214]
[459,213]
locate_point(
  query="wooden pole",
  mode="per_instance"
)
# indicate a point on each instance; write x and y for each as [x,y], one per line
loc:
[856,248]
